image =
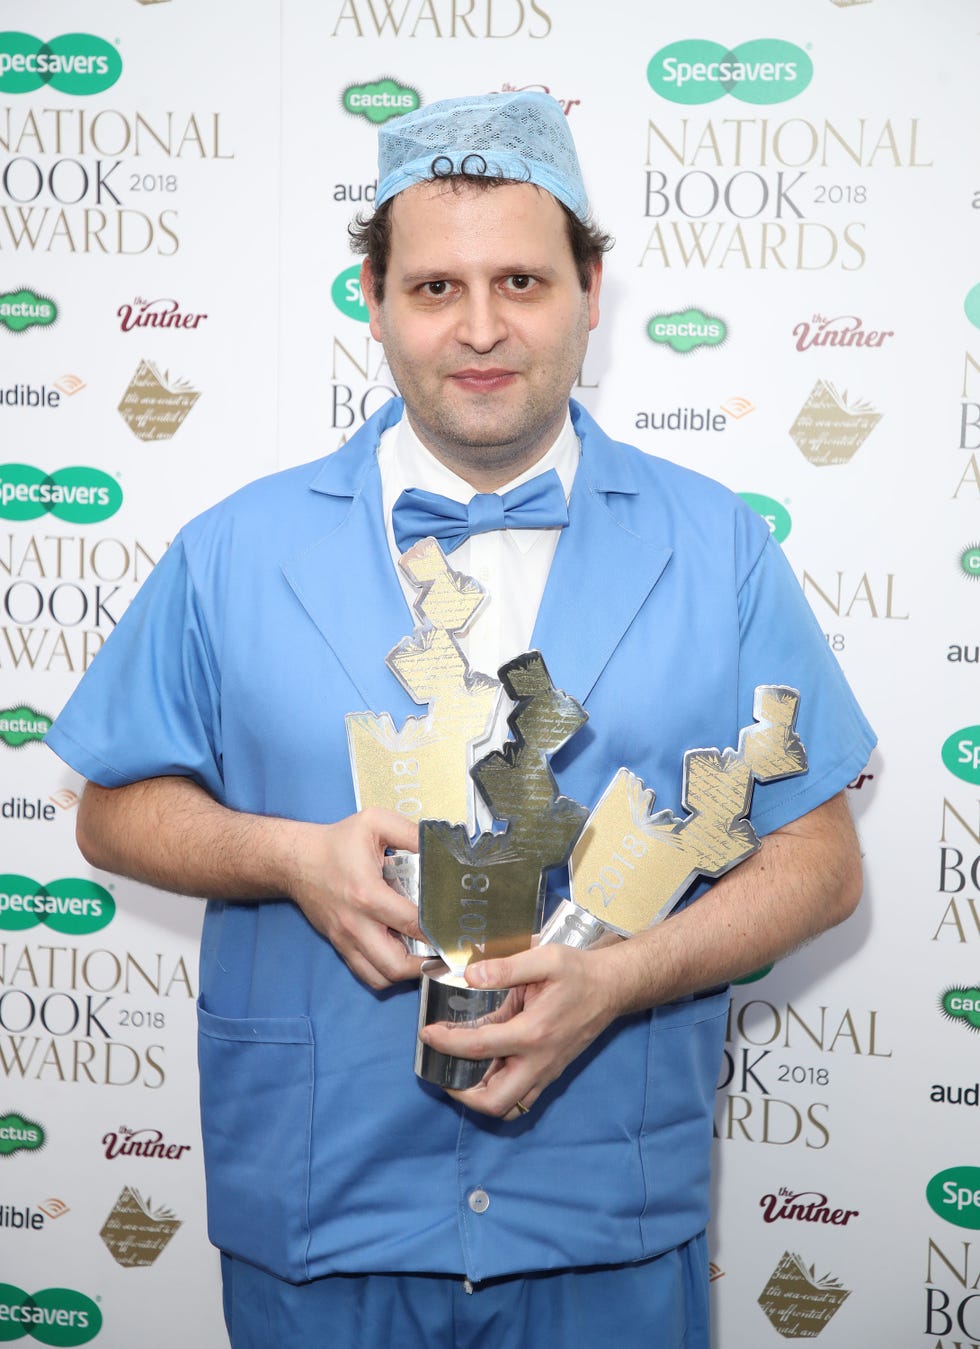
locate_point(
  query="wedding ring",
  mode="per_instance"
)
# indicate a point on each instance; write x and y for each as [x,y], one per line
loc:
[524,1109]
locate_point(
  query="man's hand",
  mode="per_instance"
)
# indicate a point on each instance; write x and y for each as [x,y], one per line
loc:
[559,1001]
[170,833]
[334,875]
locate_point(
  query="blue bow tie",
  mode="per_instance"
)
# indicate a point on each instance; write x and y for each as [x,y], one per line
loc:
[537,504]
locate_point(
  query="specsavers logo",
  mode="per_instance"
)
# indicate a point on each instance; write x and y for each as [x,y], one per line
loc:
[961,754]
[75,63]
[955,1195]
[776,516]
[70,905]
[766,70]
[52,1316]
[79,494]
[380,101]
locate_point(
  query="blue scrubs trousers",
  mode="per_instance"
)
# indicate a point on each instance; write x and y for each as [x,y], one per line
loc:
[658,1304]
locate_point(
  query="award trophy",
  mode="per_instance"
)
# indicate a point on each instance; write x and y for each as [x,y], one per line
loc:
[427,760]
[483,897]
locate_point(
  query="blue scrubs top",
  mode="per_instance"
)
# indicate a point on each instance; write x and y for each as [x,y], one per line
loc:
[267,620]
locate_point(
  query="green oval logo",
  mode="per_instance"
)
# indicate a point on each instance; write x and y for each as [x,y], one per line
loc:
[346,294]
[380,101]
[79,494]
[777,517]
[962,1004]
[961,754]
[75,63]
[971,305]
[58,1316]
[955,1195]
[71,905]
[765,70]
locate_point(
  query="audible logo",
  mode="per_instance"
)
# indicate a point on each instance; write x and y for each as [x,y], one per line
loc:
[70,905]
[53,1316]
[766,70]
[81,495]
[75,63]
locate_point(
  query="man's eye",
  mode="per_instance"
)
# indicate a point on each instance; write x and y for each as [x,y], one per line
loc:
[436,287]
[521,282]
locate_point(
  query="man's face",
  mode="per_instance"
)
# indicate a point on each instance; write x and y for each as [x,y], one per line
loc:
[484,323]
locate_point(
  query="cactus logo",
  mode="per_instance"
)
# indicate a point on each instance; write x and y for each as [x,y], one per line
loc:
[971,305]
[59,1316]
[962,1004]
[961,754]
[970,562]
[20,309]
[766,70]
[75,63]
[346,293]
[22,725]
[70,905]
[777,517]
[19,1135]
[81,495]
[686,331]
[381,101]
[955,1195]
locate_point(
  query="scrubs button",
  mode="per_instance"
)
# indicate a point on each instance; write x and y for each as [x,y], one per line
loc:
[479,1201]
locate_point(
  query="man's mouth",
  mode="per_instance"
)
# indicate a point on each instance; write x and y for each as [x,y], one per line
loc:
[483,381]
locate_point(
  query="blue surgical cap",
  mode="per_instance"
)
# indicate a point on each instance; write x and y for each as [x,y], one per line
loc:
[523,136]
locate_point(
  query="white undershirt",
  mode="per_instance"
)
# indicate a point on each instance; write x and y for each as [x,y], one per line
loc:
[511,565]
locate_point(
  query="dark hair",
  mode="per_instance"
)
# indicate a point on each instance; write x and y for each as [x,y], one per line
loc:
[371,235]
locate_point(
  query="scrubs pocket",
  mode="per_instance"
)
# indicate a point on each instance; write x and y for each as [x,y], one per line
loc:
[256,1118]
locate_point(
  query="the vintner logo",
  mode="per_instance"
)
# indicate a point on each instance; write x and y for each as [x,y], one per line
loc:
[73,906]
[79,494]
[74,63]
[57,1316]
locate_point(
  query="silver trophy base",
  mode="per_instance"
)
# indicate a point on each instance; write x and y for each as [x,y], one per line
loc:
[401,871]
[444,997]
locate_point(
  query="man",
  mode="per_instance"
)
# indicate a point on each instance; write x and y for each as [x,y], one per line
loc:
[564,1199]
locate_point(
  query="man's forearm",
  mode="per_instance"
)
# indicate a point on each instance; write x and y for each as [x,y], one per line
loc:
[170,833]
[804,879]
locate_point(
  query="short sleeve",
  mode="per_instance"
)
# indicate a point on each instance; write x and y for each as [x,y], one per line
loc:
[149,705]
[781,642]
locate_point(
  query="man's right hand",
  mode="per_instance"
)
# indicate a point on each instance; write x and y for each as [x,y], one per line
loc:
[171,833]
[334,875]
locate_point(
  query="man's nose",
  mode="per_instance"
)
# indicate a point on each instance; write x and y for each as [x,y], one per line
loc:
[481,321]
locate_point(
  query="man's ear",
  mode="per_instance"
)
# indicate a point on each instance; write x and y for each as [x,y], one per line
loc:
[367,295]
[592,292]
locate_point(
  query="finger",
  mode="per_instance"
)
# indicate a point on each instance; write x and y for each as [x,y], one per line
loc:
[497,1095]
[390,829]
[526,967]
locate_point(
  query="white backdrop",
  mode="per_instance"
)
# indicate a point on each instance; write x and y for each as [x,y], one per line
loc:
[177,202]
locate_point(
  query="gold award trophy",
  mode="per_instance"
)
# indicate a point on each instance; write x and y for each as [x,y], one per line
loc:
[483,897]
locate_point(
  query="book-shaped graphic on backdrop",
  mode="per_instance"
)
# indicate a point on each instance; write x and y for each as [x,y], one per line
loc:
[797,1303]
[155,406]
[481,896]
[831,426]
[134,1231]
